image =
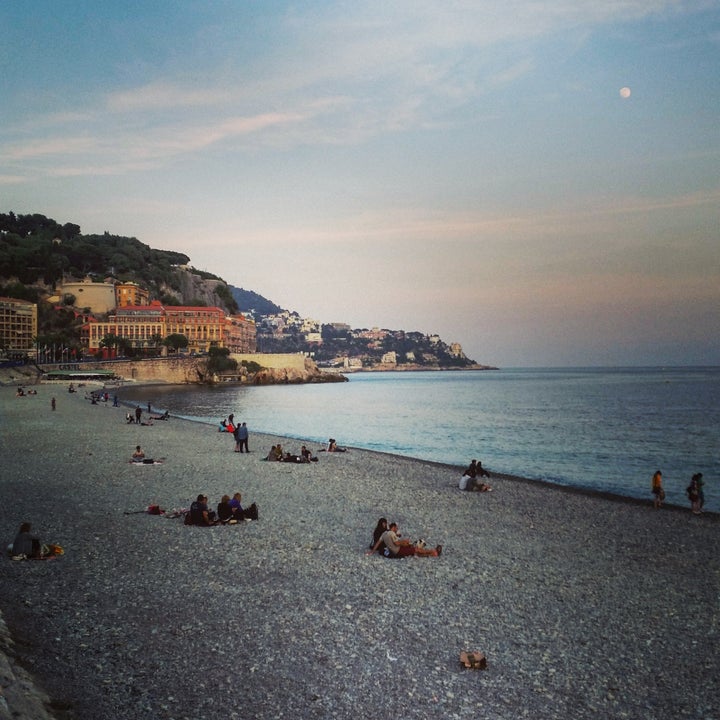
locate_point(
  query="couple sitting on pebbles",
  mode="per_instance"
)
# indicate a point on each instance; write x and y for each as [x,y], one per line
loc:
[390,544]
[229,511]
[27,546]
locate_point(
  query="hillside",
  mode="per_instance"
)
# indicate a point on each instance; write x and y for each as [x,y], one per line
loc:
[37,254]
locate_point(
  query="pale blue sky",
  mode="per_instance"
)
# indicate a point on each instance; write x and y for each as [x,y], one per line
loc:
[462,168]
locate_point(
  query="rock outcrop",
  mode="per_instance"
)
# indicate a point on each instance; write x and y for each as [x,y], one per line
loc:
[293,375]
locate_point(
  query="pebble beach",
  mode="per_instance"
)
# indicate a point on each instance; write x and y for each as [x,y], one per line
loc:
[585,605]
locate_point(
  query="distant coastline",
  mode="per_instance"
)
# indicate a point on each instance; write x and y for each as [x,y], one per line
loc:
[409,368]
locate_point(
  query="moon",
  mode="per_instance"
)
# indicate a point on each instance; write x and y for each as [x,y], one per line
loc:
[625,92]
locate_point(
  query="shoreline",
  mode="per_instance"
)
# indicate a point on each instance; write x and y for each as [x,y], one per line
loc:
[458,469]
[580,602]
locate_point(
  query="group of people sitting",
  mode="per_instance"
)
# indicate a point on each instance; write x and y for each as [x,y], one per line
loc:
[277,454]
[469,480]
[388,541]
[229,511]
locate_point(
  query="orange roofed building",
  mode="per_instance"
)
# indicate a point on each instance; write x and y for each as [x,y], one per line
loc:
[145,326]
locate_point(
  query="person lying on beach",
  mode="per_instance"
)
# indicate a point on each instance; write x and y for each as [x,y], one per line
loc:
[399,547]
[164,416]
[290,458]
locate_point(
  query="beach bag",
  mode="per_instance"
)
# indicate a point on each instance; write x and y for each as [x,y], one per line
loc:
[251,513]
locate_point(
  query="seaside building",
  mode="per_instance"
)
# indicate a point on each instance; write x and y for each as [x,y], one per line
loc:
[130,293]
[240,335]
[144,327]
[18,325]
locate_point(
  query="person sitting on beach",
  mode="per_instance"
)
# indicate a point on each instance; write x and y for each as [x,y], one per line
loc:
[139,457]
[199,513]
[333,447]
[380,528]
[129,419]
[399,547]
[223,425]
[240,513]
[224,511]
[275,454]
[306,455]
[467,481]
[26,544]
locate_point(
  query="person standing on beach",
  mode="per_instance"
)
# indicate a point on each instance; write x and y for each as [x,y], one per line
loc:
[701,491]
[52,403]
[138,414]
[241,438]
[692,493]
[695,493]
[657,490]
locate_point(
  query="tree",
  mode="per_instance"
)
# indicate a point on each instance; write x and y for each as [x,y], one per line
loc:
[175,341]
[156,341]
[112,341]
[220,361]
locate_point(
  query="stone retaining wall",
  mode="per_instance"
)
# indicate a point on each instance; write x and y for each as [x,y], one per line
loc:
[20,698]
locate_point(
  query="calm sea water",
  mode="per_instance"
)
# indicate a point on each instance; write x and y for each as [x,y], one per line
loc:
[606,429]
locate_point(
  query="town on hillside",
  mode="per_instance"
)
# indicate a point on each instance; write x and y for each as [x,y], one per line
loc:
[66,297]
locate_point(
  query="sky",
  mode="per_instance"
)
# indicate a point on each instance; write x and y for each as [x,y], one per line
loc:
[536,180]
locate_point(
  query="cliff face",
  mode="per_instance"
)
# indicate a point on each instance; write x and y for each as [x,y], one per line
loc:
[193,289]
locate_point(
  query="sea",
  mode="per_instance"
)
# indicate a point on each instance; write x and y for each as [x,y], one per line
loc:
[605,429]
